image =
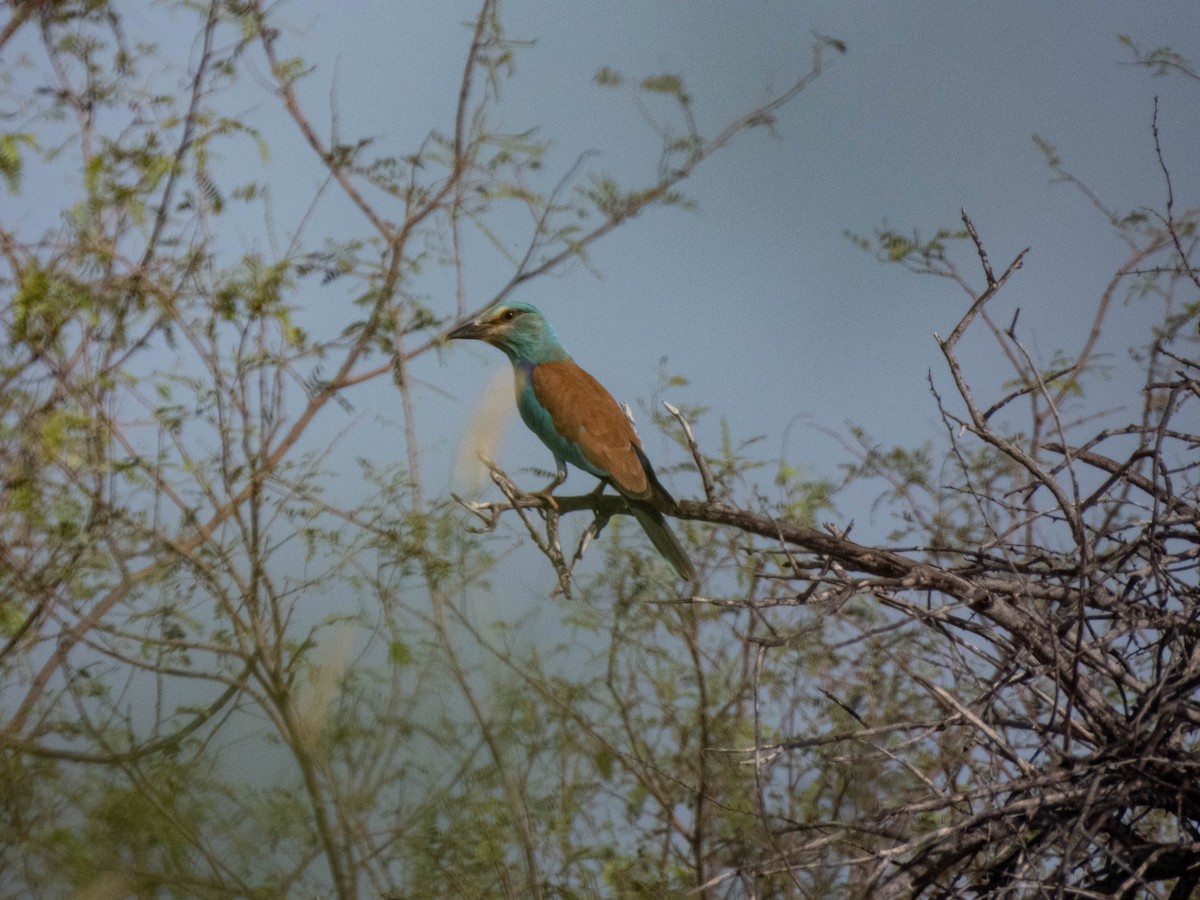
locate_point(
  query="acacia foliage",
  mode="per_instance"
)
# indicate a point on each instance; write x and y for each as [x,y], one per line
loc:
[239,657]
[224,675]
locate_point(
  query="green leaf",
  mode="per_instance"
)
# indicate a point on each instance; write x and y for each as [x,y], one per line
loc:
[10,158]
[604,759]
[399,653]
[663,84]
[607,77]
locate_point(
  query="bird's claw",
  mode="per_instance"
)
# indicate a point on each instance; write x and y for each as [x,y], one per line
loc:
[544,494]
[547,493]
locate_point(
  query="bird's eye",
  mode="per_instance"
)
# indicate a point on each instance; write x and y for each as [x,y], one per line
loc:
[509,315]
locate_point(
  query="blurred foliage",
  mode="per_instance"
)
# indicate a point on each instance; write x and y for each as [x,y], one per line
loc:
[243,656]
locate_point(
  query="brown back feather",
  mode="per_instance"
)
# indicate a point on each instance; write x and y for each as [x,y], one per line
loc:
[586,413]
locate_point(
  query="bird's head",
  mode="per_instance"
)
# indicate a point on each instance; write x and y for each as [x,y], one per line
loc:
[520,330]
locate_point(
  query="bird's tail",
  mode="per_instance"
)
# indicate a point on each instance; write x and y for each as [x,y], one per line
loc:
[664,540]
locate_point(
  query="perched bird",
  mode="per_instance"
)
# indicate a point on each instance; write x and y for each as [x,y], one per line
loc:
[578,420]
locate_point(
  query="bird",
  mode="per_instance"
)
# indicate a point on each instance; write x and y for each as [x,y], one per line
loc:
[578,420]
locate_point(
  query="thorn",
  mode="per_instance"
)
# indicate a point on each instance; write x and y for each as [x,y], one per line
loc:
[1012,328]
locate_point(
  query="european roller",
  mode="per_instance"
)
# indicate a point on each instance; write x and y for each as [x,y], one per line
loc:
[578,420]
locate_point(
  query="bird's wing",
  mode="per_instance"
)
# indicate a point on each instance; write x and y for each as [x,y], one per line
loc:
[584,413]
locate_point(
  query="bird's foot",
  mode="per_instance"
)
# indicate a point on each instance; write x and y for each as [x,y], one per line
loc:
[546,495]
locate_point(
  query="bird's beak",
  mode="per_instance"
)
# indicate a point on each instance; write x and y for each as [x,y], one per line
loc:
[471,331]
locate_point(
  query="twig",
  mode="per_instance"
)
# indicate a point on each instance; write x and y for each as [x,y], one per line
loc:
[701,463]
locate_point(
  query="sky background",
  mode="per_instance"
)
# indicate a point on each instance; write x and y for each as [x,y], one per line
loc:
[781,327]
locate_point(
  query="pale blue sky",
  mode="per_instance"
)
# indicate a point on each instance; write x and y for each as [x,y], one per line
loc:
[756,297]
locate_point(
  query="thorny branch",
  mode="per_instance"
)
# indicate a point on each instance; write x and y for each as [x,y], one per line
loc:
[1087,727]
